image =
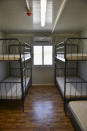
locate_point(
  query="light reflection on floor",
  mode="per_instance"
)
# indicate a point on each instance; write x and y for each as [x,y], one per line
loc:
[43,110]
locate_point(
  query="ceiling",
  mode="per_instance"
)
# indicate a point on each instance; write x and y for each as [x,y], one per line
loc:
[13,18]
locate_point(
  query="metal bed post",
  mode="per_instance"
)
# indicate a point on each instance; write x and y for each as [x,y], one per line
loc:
[65,77]
[21,70]
[77,63]
[31,52]
[24,71]
[9,61]
[55,64]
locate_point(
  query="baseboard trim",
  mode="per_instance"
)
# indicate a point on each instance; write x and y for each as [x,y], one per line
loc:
[43,84]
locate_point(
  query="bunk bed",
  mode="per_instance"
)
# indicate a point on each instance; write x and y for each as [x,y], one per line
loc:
[14,57]
[71,85]
[16,82]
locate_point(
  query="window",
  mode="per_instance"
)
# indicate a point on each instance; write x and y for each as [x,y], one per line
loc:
[47,55]
[43,55]
[37,55]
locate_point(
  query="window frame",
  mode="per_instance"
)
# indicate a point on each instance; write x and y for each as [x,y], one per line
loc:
[43,55]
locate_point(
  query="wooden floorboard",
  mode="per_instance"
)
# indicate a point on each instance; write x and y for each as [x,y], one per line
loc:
[43,111]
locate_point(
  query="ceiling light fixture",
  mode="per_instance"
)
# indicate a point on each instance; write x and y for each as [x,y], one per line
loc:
[43,12]
[60,10]
[27,4]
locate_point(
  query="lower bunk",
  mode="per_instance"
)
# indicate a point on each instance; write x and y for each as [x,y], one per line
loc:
[10,88]
[78,114]
[75,87]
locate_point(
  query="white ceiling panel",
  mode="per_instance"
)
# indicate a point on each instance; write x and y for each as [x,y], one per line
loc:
[74,17]
[13,16]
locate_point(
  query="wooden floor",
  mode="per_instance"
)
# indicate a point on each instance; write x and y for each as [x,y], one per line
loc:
[43,112]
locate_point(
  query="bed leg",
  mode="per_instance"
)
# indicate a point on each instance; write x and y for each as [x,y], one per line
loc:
[23,106]
[65,108]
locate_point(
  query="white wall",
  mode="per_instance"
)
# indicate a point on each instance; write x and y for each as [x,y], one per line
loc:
[83,65]
[3,65]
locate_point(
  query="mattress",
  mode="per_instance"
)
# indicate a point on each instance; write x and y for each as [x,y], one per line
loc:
[12,90]
[12,57]
[72,89]
[79,56]
[79,112]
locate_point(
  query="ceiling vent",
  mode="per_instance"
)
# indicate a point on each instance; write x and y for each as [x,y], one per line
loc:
[43,40]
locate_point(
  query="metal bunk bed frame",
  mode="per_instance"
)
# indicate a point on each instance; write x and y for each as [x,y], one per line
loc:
[22,50]
[64,45]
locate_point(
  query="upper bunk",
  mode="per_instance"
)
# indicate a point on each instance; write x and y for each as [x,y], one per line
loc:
[71,49]
[11,49]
